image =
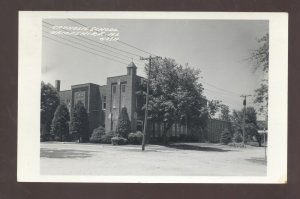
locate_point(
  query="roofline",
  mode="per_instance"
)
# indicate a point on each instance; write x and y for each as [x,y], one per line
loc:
[85,84]
[64,91]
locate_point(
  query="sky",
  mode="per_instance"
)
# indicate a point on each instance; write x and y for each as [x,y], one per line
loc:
[219,48]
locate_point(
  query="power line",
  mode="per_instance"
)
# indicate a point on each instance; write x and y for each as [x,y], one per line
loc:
[78,43]
[96,45]
[83,50]
[235,94]
[220,93]
[117,40]
[122,42]
[100,42]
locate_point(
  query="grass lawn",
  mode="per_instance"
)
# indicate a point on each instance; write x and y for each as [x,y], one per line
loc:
[180,159]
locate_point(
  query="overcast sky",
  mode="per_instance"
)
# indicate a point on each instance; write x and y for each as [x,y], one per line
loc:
[217,47]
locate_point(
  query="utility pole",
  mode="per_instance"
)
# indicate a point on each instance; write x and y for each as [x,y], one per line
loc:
[244,120]
[147,99]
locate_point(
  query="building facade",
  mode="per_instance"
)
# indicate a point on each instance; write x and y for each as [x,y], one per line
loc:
[105,102]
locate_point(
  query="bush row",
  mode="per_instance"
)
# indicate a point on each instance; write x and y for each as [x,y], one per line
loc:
[99,136]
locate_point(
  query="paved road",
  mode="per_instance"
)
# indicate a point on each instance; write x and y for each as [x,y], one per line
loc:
[183,159]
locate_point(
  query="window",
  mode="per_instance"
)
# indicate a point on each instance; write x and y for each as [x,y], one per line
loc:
[123,88]
[114,101]
[104,102]
[123,101]
[114,88]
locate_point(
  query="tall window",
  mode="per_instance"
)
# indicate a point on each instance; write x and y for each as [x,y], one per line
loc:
[114,88]
[114,91]
[123,88]
[123,101]
[104,102]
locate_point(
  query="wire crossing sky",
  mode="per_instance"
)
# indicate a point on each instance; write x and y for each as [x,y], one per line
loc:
[219,48]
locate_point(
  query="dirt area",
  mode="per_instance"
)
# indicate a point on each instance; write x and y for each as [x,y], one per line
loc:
[181,159]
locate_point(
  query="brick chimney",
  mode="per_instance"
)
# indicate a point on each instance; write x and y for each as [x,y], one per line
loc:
[57,85]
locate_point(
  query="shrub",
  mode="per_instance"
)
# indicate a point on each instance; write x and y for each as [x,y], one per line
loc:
[135,138]
[80,122]
[46,137]
[124,126]
[237,137]
[118,140]
[60,125]
[97,134]
[106,138]
[225,136]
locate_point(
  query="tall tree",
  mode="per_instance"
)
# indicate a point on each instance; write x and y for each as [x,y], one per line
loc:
[225,113]
[250,123]
[49,102]
[260,60]
[124,126]
[80,122]
[176,95]
[60,125]
[213,107]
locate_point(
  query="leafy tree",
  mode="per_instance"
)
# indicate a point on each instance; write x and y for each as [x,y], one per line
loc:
[80,122]
[60,125]
[49,102]
[124,126]
[213,107]
[176,95]
[250,123]
[225,113]
[260,59]
[225,136]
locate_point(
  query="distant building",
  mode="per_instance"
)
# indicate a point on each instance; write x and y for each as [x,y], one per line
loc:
[104,104]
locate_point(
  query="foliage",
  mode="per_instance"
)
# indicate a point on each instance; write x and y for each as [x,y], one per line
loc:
[176,95]
[49,102]
[135,138]
[225,136]
[250,123]
[60,125]
[97,134]
[225,112]
[46,137]
[260,56]
[124,126]
[213,107]
[106,138]
[260,59]
[80,122]
[118,140]
[237,137]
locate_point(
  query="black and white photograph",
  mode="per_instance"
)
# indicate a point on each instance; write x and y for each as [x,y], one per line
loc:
[152,97]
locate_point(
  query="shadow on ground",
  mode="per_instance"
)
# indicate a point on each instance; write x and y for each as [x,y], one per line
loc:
[64,153]
[257,160]
[196,148]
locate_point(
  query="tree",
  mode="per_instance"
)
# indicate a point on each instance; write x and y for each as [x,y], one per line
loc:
[97,134]
[250,123]
[176,96]
[225,136]
[60,125]
[80,122]
[260,60]
[49,102]
[124,126]
[213,107]
[225,113]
